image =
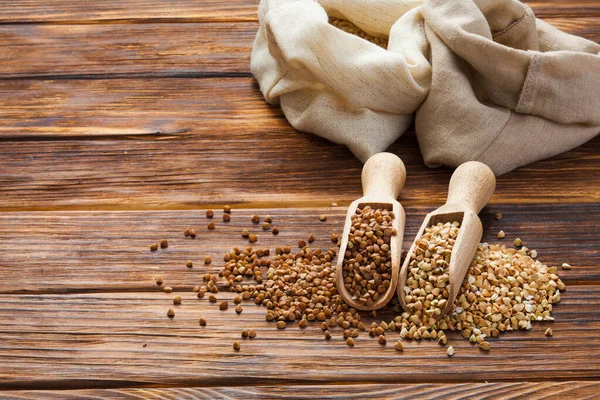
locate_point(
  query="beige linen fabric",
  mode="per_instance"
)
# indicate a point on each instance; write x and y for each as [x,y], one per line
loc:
[487,81]
[335,84]
[507,89]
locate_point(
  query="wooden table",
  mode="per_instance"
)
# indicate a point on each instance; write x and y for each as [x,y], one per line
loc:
[120,121]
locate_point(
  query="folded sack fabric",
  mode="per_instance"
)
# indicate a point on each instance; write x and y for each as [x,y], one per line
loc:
[338,85]
[507,89]
[487,80]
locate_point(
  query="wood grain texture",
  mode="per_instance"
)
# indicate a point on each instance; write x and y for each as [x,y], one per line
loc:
[126,11]
[78,305]
[460,391]
[106,333]
[562,8]
[129,11]
[97,340]
[152,50]
[71,144]
[170,49]
[109,251]
[588,28]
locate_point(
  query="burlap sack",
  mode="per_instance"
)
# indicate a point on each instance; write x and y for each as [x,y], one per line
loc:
[507,89]
[493,83]
[335,84]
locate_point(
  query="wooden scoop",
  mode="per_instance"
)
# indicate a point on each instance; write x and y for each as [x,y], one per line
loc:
[471,187]
[383,177]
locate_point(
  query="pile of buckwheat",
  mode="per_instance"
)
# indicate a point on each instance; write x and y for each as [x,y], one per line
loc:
[427,276]
[505,289]
[367,264]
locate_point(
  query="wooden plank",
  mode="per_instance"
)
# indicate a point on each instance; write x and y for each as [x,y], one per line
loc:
[587,27]
[460,391]
[76,144]
[112,340]
[126,11]
[191,50]
[564,8]
[150,50]
[109,251]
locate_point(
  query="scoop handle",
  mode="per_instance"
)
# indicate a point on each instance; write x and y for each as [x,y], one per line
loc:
[472,185]
[383,175]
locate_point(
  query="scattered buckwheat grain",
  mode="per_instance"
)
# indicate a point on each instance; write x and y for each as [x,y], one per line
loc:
[533,254]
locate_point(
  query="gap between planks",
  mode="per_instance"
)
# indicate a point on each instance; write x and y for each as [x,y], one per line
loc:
[460,391]
[366,390]
[261,205]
